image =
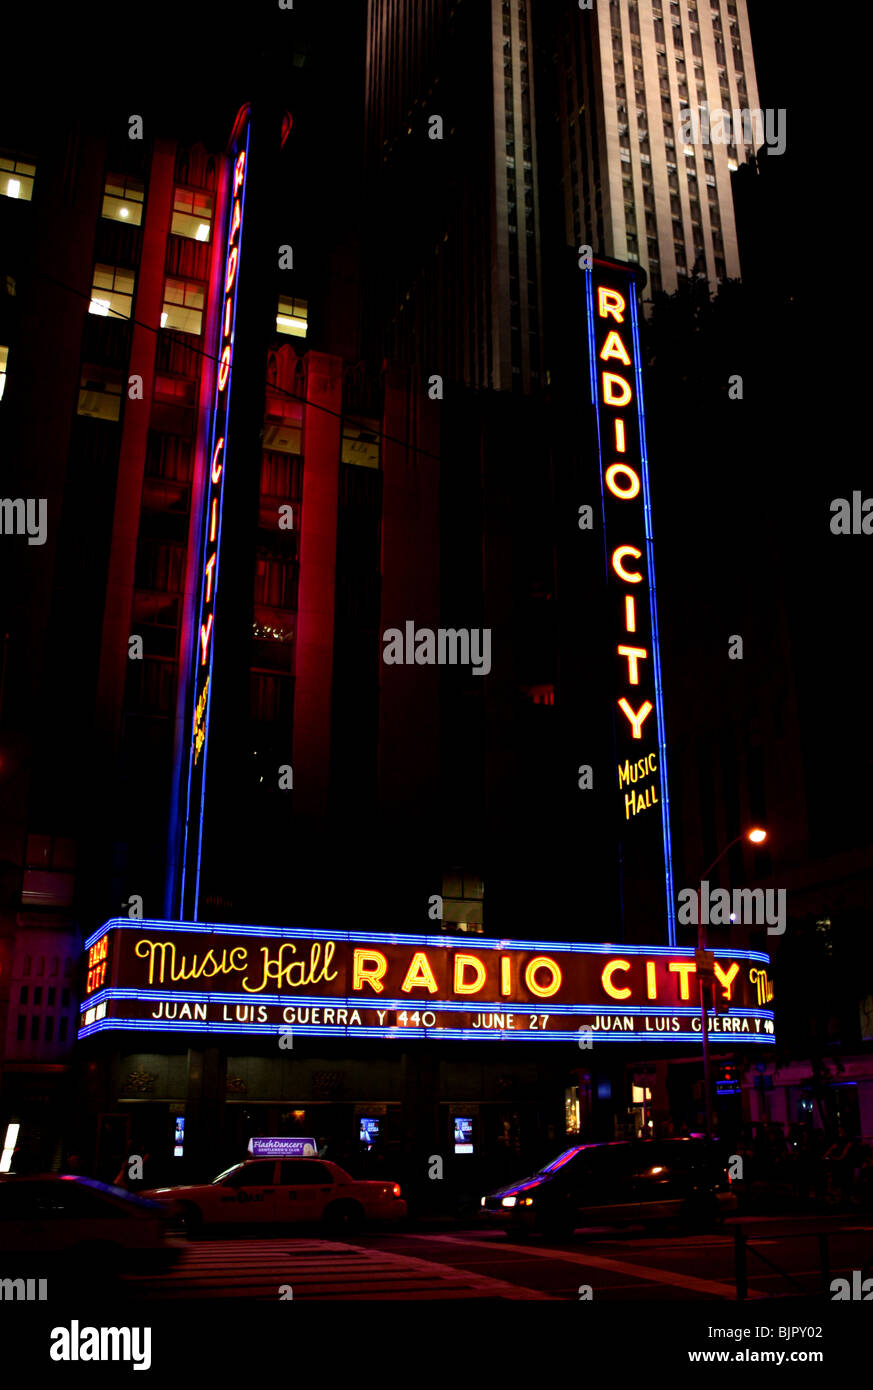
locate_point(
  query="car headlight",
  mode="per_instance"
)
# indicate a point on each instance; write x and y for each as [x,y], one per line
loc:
[509,1201]
[482,1202]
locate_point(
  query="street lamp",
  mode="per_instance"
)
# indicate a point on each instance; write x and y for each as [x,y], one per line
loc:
[704,960]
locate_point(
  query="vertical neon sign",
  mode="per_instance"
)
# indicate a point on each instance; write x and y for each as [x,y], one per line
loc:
[213,492]
[643,807]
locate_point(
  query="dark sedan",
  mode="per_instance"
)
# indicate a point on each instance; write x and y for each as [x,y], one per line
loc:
[622,1183]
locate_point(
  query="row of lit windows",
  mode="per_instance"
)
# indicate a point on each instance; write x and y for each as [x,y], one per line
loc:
[182,309]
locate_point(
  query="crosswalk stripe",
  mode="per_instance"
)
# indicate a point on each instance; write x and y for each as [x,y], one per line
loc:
[316,1269]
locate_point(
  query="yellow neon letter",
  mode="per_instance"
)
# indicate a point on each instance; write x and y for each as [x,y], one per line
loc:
[462,962]
[542,963]
[726,977]
[634,655]
[631,487]
[366,973]
[419,974]
[610,304]
[636,720]
[611,383]
[683,969]
[606,979]
[629,576]
[614,347]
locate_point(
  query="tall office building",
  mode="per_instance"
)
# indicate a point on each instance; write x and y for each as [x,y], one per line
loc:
[454,255]
[629,74]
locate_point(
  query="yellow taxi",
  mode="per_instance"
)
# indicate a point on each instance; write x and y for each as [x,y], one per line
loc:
[287,1191]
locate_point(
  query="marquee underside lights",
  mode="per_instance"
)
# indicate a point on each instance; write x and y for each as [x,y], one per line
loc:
[642,805]
[218,455]
[192,977]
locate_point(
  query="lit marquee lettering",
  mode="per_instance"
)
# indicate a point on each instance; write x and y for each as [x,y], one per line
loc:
[167,975]
[216,448]
[98,962]
[616,395]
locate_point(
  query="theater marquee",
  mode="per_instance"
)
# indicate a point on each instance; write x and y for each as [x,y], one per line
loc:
[191,977]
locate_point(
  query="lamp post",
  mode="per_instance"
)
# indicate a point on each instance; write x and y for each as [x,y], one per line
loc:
[704,967]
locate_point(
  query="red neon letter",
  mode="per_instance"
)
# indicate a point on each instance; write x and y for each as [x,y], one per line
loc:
[636,720]
[231,269]
[235,221]
[210,566]
[214,526]
[205,632]
[634,655]
[224,368]
[218,448]
[238,171]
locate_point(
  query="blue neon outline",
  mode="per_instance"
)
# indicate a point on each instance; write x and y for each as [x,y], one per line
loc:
[212,433]
[328,1001]
[383,1034]
[650,560]
[487,943]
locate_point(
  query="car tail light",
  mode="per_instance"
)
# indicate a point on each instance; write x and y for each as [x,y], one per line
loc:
[396,1189]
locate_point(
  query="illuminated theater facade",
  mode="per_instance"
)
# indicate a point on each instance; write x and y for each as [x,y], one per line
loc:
[315,1027]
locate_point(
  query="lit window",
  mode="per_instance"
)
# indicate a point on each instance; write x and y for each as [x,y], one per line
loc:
[292,316]
[123,199]
[183,306]
[16,178]
[111,292]
[192,214]
[99,393]
[4,357]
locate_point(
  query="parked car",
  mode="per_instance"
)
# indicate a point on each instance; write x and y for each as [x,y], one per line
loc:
[621,1183]
[283,1192]
[64,1224]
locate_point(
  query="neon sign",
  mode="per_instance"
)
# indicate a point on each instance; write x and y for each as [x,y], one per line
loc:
[642,810]
[193,977]
[218,458]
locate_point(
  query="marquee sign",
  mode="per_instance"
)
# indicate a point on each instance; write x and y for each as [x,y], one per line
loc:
[642,806]
[192,977]
[218,458]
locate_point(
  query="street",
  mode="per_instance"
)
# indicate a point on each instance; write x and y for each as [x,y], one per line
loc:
[783,1260]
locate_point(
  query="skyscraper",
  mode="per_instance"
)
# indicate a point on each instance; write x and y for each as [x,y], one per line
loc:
[452,166]
[634,79]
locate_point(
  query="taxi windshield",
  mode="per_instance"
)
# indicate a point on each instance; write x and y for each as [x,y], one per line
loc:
[227,1172]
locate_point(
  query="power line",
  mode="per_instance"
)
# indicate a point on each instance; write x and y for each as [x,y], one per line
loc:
[202,352]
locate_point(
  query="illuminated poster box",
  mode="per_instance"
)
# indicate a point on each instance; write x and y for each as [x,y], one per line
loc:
[192,977]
